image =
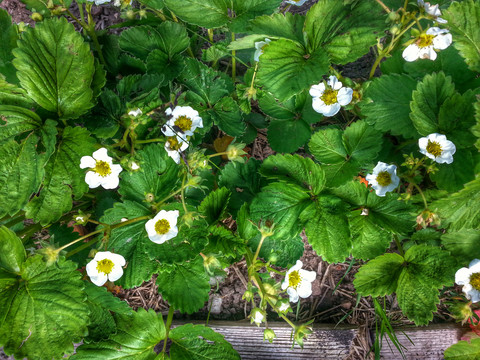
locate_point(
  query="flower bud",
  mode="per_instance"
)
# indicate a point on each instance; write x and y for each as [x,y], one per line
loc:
[461,311]
[301,332]
[143,14]
[395,30]
[235,152]
[81,218]
[257,316]
[248,295]
[130,14]
[269,335]
[37,16]
[393,16]
[50,254]
[149,197]
[22,26]
[211,263]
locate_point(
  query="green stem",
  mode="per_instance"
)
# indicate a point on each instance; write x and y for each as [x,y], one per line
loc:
[258,249]
[92,33]
[422,195]
[81,247]
[15,220]
[171,310]
[168,197]
[234,60]
[81,238]
[383,6]
[149,141]
[183,193]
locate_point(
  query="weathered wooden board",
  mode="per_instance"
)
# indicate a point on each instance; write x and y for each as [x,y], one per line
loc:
[429,342]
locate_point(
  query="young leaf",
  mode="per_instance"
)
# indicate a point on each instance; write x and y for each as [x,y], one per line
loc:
[464,350]
[135,339]
[41,319]
[189,278]
[214,206]
[386,104]
[55,67]
[200,342]
[463,21]
[64,177]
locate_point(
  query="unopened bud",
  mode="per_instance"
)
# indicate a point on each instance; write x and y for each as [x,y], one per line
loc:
[37,16]
[149,197]
[248,296]
[257,316]
[269,335]
[130,14]
[393,16]
[235,152]
[461,311]
[50,254]
[143,14]
[395,30]
[211,263]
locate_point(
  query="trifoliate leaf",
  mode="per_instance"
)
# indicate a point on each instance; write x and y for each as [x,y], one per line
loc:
[326,227]
[280,25]
[200,342]
[136,338]
[463,244]
[157,176]
[452,177]
[386,104]
[345,31]
[159,63]
[8,39]
[181,279]
[463,21]
[286,68]
[221,241]
[63,178]
[463,350]
[379,276]
[41,319]
[55,67]
[12,252]
[288,136]
[296,170]
[227,116]
[346,153]
[214,206]
[243,181]
[282,203]
[460,210]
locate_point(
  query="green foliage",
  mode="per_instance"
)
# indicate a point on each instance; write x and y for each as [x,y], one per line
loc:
[135,339]
[386,103]
[463,21]
[415,278]
[463,244]
[12,252]
[176,281]
[63,177]
[454,176]
[221,241]
[463,350]
[8,39]
[41,319]
[288,26]
[227,116]
[345,153]
[200,342]
[56,68]
[214,206]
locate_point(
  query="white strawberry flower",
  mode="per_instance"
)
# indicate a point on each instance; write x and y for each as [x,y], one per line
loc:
[163,226]
[383,179]
[259,47]
[99,2]
[184,120]
[102,171]
[296,2]
[174,145]
[135,113]
[105,266]
[327,99]
[437,147]
[257,316]
[432,10]
[425,45]
[470,279]
[298,282]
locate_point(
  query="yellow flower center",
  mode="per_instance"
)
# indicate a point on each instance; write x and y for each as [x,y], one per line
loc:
[434,148]
[384,178]
[162,226]
[425,40]
[102,168]
[184,123]
[475,281]
[294,279]
[105,266]
[174,143]
[329,96]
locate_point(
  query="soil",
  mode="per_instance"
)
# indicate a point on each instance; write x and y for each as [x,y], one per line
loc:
[333,299]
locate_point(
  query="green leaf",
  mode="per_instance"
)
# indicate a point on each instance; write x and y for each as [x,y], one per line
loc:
[188,278]
[327,229]
[463,244]
[206,13]
[296,170]
[17,120]
[135,339]
[12,95]
[369,240]
[214,206]
[460,210]
[227,116]
[39,318]
[379,276]
[200,342]
[288,26]
[63,178]
[281,203]
[452,177]
[243,181]
[101,296]
[286,68]
[386,104]
[288,136]
[157,176]
[222,241]
[12,252]
[463,350]
[463,21]
[345,154]
[159,63]
[346,32]
[8,39]
[55,67]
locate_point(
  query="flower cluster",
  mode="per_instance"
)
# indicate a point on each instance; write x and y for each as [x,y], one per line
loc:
[328,98]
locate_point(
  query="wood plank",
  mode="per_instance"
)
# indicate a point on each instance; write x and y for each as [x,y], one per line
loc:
[429,342]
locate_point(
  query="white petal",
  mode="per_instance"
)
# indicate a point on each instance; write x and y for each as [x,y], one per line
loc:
[371,178]
[93,179]
[304,290]
[381,166]
[100,279]
[474,265]
[434,30]
[308,275]
[174,154]
[381,191]
[411,53]
[441,42]
[150,227]
[427,53]
[462,276]
[117,259]
[344,96]
[87,162]
[334,83]
[167,130]
[110,182]
[317,90]
[285,283]
[91,268]
[101,154]
[256,55]
[475,295]
[116,169]
[135,112]
[292,293]
[116,273]
[422,144]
